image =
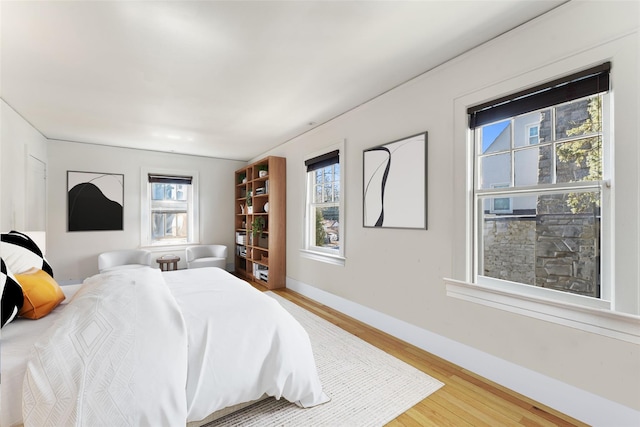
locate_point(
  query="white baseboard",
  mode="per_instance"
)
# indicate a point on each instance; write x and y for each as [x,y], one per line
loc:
[582,405]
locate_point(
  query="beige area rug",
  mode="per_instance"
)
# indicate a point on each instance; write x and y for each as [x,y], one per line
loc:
[367,386]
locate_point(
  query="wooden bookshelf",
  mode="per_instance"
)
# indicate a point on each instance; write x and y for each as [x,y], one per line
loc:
[261,256]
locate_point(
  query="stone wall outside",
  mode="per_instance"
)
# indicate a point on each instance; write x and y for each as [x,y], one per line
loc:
[567,253]
[509,249]
[556,251]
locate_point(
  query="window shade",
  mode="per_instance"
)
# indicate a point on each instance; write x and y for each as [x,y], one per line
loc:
[170,179]
[575,86]
[322,161]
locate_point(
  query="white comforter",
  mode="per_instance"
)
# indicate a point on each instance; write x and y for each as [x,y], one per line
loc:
[140,347]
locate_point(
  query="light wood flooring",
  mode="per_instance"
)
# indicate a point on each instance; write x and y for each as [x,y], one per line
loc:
[466,399]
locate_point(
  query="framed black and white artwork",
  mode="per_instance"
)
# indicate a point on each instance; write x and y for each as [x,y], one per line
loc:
[395,184]
[95,201]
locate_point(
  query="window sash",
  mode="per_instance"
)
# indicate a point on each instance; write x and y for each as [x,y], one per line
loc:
[512,150]
[311,216]
[161,231]
[313,246]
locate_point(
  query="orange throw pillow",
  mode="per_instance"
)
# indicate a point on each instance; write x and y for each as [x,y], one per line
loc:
[41,293]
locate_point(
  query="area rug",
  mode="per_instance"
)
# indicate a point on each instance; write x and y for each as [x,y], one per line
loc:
[367,386]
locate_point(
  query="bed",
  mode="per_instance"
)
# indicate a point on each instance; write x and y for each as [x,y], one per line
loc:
[141,347]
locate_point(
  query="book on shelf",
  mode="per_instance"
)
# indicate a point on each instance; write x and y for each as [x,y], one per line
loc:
[261,272]
[241,237]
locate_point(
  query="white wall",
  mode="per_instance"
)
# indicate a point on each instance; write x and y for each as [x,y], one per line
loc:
[400,273]
[18,141]
[73,255]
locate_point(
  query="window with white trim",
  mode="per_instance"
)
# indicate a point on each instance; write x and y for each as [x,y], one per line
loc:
[548,145]
[501,205]
[169,209]
[533,133]
[324,233]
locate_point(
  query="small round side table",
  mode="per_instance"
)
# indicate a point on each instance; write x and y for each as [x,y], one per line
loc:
[168,262]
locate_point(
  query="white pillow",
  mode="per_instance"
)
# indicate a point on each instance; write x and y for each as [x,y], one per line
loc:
[21,253]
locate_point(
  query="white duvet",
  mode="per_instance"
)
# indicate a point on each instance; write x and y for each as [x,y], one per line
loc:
[140,347]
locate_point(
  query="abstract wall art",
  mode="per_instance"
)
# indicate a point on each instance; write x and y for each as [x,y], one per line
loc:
[95,201]
[395,184]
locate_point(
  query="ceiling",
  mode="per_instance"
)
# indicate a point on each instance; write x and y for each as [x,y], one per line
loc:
[225,79]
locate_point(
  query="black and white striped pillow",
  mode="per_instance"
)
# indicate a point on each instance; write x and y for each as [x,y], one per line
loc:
[12,296]
[20,253]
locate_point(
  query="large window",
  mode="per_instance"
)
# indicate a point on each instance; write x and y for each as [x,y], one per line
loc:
[538,187]
[323,219]
[170,208]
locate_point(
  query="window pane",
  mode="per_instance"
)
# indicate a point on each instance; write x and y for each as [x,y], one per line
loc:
[579,160]
[327,227]
[581,117]
[525,127]
[496,137]
[157,191]
[157,226]
[181,192]
[556,246]
[318,194]
[495,170]
[532,166]
[328,193]
[502,204]
[328,174]
[169,224]
[336,191]
[181,225]
[170,191]
[318,176]
[509,248]
[336,172]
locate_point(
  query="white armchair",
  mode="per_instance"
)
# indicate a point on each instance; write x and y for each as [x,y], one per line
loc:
[123,259]
[207,256]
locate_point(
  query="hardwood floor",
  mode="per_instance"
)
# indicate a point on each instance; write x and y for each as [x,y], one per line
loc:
[465,400]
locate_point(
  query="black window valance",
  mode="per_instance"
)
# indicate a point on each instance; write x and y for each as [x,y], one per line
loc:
[322,161]
[170,179]
[578,85]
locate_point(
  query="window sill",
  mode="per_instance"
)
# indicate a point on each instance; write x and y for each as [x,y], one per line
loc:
[165,246]
[323,257]
[622,326]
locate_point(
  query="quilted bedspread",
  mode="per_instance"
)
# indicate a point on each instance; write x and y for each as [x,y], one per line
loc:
[118,356]
[145,348]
